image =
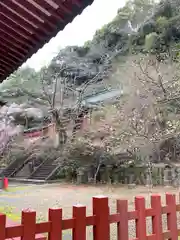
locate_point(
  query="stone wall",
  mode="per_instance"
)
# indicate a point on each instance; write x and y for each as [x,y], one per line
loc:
[140,175]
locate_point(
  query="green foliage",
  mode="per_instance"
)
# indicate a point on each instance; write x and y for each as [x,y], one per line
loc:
[18,87]
[150,41]
[147,28]
[158,31]
[161,24]
[165,9]
[26,77]
[102,34]
[134,11]
[82,51]
[114,36]
[165,23]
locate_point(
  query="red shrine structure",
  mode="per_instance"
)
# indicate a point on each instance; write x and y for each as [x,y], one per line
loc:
[26,25]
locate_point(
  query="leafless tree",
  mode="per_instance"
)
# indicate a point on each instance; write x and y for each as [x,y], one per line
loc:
[65,102]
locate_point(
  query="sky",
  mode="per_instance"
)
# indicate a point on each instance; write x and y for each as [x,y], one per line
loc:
[79,31]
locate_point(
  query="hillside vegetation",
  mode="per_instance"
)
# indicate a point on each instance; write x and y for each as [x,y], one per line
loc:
[137,52]
[140,26]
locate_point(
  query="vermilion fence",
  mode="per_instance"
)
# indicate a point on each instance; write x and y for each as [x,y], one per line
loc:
[100,221]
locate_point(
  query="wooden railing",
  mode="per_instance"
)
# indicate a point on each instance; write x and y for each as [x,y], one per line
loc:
[100,220]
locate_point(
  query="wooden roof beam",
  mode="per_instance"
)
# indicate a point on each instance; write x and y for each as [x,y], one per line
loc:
[26,15]
[8,58]
[2,70]
[11,28]
[21,47]
[23,21]
[26,25]
[18,29]
[16,36]
[63,7]
[5,63]
[77,2]
[10,19]
[47,9]
[1,73]
[11,51]
[13,25]
[26,8]
[4,66]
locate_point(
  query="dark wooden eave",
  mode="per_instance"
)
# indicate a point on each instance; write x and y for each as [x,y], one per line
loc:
[26,25]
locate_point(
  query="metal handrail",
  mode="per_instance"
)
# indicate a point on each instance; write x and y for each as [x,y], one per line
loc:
[38,168]
[52,173]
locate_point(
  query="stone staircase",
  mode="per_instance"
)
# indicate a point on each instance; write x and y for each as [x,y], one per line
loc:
[44,171]
[13,168]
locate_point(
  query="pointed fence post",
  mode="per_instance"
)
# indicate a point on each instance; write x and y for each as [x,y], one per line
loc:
[141,221]
[28,220]
[157,218]
[2,226]
[101,230]
[122,226]
[55,217]
[79,215]
[171,216]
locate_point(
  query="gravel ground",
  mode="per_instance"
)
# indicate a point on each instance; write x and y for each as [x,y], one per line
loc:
[40,198]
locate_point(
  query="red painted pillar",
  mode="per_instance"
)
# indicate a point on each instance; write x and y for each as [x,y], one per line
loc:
[55,218]
[28,220]
[171,216]
[2,226]
[79,215]
[5,183]
[101,229]
[141,220]
[157,228]
[122,226]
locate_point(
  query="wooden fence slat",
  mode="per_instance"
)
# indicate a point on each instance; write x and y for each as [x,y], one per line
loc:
[55,217]
[28,220]
[2,226]
[122,226]
[157,219]
[141,221]
[101,230]
[79,215]
[100,220]
[171,216]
